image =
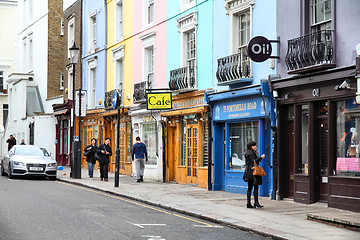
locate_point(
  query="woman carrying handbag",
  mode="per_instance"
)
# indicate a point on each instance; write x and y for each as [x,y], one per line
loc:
[252,159]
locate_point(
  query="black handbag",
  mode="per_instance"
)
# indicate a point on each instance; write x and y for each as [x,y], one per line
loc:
[96,156]
[86,153]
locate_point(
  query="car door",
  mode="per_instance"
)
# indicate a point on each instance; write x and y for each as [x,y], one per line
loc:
[6,162]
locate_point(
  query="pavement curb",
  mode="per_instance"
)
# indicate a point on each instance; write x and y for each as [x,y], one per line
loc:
[182,211]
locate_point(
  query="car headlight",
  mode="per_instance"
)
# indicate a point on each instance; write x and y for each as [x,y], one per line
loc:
[51,164]
[19,163]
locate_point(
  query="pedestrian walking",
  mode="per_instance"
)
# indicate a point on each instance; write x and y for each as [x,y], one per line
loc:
[11,142]
[90,151]
[104,152]
[22,142]
[253,181]
[140,153]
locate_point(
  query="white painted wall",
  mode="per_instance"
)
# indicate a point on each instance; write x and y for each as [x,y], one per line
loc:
[67,4]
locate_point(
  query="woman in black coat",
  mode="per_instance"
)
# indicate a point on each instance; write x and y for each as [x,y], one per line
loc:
[252,180]
[90,151]
[104,152]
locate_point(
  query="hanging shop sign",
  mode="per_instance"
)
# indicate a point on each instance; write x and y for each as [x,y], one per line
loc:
[159,101]
[245,108]
[189,102]
[259,49]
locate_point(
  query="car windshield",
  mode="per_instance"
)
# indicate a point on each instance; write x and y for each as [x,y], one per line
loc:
[28,151]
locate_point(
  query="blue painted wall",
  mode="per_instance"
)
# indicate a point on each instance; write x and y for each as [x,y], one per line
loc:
[204,41]
[88,8]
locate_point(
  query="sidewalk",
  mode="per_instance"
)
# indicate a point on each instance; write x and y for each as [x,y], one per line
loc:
[278,219]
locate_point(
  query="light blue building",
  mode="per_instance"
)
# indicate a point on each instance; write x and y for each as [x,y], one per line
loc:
[242,106]
[94,52]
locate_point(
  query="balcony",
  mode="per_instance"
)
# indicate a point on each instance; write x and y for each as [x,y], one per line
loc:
[139,92]
[311,52]
[183,79]
[233,69]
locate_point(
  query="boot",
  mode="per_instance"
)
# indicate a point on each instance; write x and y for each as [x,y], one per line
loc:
[256,197]
[141,178]
[248,205]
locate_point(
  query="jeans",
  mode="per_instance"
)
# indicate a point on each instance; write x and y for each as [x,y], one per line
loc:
[104,170]
[91,168]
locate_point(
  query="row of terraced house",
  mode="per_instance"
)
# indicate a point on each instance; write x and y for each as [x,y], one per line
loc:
[299,105]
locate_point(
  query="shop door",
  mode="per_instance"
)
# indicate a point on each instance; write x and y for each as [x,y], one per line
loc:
[191,153]
[291,160]
[323,160]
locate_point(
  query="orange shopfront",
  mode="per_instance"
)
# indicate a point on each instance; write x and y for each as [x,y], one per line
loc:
[187,138]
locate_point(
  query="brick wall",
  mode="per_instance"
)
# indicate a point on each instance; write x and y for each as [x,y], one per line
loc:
[55,48]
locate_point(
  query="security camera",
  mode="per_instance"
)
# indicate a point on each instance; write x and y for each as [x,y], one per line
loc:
[344,85]
[275,94]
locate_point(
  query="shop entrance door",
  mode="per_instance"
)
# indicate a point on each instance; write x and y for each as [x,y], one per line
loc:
[191,153]
[322,174]
[291,160]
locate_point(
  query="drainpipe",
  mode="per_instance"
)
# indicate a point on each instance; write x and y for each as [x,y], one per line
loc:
[210,140]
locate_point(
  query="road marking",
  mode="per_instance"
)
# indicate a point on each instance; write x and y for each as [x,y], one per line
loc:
[154,237]
[136,203]
[147,224]
[203,226]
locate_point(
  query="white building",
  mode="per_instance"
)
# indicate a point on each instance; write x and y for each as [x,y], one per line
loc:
[8,34]
[30,104]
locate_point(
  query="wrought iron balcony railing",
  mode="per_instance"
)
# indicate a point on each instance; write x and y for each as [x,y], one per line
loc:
[233,68]
[310,52]
[183,79]
[139,92]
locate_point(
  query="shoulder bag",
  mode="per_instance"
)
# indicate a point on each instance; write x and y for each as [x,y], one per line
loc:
[258,171]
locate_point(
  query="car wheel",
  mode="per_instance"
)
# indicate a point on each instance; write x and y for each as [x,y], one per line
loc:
[9,172]
[2,170]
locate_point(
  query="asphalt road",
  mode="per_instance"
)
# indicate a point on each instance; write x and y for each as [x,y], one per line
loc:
[43,209]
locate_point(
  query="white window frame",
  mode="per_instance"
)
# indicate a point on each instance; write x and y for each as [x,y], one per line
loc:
[118,59]
[3,69]
[187,4]
[69,82]
[25,55]
[30,53]
[119,20]
[186,24]
[146,22]
[71,33]
[92,71]
[92,32]
[148,41]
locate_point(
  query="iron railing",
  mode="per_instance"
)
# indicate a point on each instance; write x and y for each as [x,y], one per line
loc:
[139,92]
[233,67]
[183,79]
[309,51]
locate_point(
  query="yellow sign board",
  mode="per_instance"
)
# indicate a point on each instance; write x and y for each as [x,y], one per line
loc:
[159,101]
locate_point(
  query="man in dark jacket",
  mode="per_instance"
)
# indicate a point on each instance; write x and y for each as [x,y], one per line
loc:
[104,152]
[140,153]
[11,142]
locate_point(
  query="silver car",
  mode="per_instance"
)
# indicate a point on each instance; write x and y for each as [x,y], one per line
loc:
[28,160]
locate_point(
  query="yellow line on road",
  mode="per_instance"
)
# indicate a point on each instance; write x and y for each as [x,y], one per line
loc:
[136,203]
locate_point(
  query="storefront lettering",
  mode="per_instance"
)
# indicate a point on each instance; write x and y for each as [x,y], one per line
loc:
[192,102]
[239,107]
[154,101]
[158,101]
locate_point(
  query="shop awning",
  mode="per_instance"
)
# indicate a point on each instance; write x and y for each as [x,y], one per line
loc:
[60,112]
[187,111]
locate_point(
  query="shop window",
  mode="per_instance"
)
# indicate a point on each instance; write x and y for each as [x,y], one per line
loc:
[183,141]
[303,166]
[205,147]
[150,140]
[128,142]
[240,135]
[347,127]
[290,113]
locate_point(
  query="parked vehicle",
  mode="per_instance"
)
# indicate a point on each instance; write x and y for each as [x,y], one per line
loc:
[28,160]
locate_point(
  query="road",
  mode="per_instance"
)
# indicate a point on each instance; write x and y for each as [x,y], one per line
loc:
[43,209]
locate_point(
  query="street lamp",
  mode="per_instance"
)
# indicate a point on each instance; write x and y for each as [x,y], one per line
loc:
[75,161]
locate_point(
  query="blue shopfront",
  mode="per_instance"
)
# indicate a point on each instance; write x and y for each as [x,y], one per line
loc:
[238,116]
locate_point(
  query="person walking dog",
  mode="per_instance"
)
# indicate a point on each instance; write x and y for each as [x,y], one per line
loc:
[104,152]
[140,153]
[252,180]
[90,151]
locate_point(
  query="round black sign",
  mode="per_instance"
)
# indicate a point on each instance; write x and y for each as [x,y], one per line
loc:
[259,49]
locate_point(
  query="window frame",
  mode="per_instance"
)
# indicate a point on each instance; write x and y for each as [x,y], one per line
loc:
[92,32]
[119,20]
[71,34]
[148,4]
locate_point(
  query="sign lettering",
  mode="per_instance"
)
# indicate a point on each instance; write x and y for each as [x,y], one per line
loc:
[158,101]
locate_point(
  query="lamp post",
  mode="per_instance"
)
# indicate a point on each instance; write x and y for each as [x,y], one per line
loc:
[75,161]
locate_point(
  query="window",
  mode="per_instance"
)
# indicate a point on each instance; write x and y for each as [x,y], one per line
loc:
[5,113]
[70,83]
[71,34]
[240,135]
[186,4]
[321,14]
[183,142]
[119,20]
[119,74]
[33,101]
[303,166]
[61,81]
[150,12]
[92,33]
[92,89]
[243,38]
[149,66]
[348,140]
[1,81]
[150,140]
[25,55]
[30,54]
[191,48]
[30,10]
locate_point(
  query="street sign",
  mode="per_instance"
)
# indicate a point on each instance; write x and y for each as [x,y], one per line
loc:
[159,101]
[116,99]
[83,104]
[259,49]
